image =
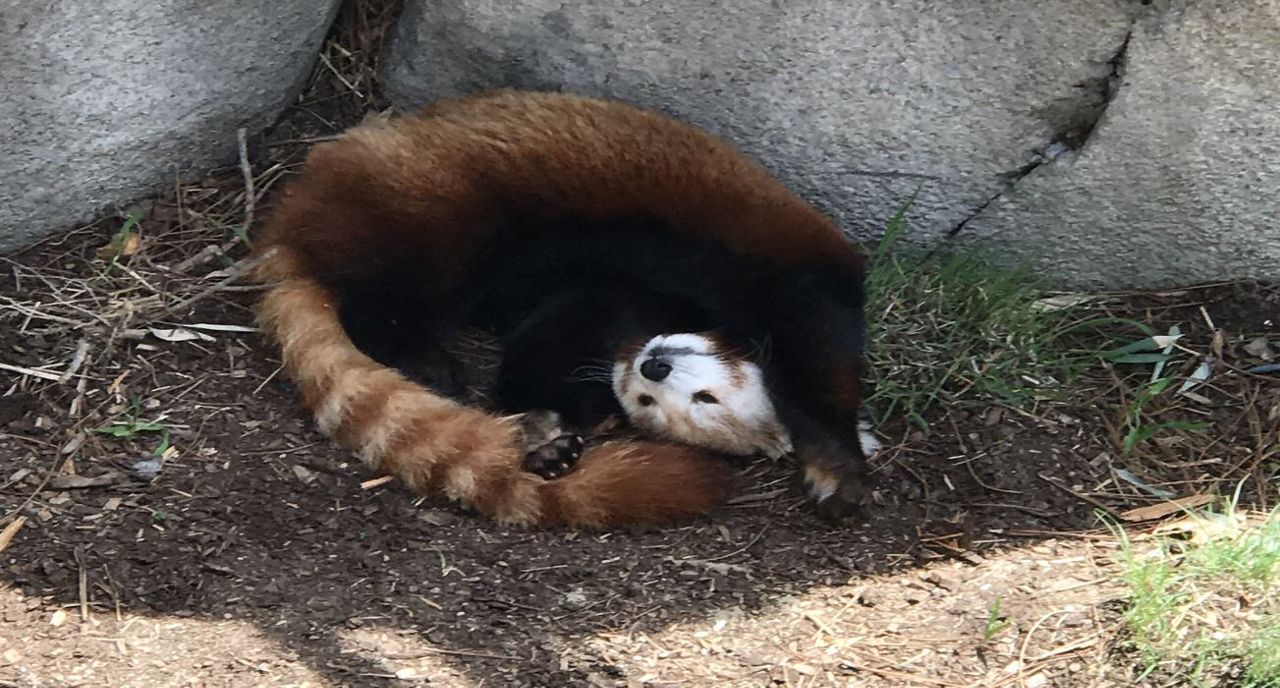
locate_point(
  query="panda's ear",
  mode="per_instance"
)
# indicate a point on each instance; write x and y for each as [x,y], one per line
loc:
[722,346]
[630,349]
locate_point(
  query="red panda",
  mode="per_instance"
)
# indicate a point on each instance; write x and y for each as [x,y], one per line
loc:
[408,208]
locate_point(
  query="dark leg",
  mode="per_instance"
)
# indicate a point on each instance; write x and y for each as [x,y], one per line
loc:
[816,343]
[833,471]
[433,366]
[555,369]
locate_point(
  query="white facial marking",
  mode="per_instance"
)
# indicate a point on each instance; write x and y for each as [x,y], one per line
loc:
[706,399]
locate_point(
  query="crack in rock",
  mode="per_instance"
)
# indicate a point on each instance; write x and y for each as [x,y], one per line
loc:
[1072,138]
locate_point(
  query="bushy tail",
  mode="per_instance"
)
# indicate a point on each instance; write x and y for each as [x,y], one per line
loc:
[438,446]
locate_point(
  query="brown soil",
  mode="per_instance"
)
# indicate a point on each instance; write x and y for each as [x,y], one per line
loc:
[256,557]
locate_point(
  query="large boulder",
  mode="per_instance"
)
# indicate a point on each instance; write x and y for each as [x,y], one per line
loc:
[1180,181]
[858,106]
[106,101]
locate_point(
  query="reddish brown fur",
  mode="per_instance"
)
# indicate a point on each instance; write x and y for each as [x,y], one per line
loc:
[433,187]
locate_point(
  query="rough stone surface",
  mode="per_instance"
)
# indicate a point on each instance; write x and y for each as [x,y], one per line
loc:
[854,105]
[104,101]
[987,108]
[1180,181]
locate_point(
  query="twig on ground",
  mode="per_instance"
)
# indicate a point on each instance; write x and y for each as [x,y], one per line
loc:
[247,172]
[376,482]
[234,273]
[77,359]
[82,582]
[31,372]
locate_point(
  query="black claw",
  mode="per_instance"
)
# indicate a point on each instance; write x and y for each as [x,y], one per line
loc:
[555,458]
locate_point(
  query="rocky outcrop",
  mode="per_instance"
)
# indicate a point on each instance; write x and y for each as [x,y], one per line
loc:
[106,101]
[1114,142]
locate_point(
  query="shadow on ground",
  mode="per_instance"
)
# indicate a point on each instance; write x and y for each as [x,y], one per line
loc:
[256,557]
[257,522]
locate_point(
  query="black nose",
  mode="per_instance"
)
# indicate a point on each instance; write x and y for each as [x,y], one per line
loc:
[655,369]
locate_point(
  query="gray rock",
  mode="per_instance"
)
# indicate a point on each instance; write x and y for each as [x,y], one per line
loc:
[106,101]
[1111,142]
[854,105]
[1180,182]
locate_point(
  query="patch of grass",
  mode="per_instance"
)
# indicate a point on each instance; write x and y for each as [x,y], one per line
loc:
[1203,605]
[997,622]
[1157,350]
[1137,429]
[957,328]
[133,427]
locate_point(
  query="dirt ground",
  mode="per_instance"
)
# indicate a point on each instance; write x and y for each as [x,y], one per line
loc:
[256,557]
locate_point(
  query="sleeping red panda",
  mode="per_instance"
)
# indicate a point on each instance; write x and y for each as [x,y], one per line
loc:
[400,223]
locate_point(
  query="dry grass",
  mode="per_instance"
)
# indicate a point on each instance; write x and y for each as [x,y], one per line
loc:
[81,318]
[142,274]
[954,329]
[1202,601]
[346,84]
[1176,434]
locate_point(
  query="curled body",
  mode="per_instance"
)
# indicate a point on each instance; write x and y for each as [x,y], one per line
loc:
[408,222]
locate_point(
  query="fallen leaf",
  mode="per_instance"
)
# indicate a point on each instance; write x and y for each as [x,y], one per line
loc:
[1154,511]
[147,469]
[215,327]
[1167,343]
[179,334]
[1206,527]
[1127,476]
[74,443]
[76,482]
[1199,398]
[1062,301]
[303,474]
[1200,375]
[1259,347]
[16,478]
[121,245]
[130,244]
[6,535]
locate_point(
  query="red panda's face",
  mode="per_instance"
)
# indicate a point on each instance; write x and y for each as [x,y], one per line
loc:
[686,388]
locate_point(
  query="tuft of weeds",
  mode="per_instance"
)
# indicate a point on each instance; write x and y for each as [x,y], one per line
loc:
[1137,429]
[957,328]
[996,623]
[1202,602]
[124,242]
[132,426]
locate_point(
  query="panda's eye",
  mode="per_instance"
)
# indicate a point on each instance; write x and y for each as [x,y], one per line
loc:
[705,397]
[645,400]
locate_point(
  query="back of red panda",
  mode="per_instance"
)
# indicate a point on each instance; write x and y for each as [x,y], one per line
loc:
[415,203]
